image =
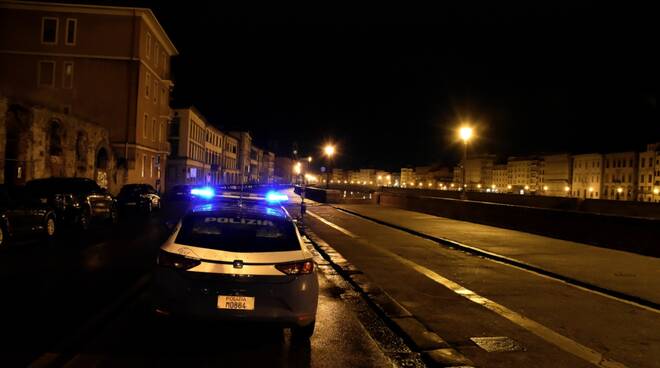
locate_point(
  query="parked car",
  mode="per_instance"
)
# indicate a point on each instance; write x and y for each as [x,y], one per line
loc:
[179,192]
[139,196]
[238,260]
[23,217]
[77,201]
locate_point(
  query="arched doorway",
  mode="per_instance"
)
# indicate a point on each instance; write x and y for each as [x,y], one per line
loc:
[101,167]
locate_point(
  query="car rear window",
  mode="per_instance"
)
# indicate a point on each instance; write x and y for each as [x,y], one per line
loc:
[238,233]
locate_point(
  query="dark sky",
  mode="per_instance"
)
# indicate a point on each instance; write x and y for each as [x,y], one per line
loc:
[389,85]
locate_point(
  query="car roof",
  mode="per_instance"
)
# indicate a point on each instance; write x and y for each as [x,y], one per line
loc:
[240,208]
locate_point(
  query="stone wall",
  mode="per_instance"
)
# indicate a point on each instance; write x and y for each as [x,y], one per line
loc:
[3,138]
[41,143]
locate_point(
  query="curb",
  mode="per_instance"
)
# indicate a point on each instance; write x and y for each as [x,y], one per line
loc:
[512,262]
[435,351]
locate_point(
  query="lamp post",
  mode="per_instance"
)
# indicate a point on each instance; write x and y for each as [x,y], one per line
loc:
[465,134]
[329,151]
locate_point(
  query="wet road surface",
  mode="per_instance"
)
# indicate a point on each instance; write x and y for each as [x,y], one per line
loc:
[60,298]
[463,297]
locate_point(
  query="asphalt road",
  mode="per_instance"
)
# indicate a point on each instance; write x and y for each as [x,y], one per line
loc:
[543,322]
[84,301]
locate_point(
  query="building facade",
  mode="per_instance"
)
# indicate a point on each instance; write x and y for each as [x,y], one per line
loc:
[524,174]
[500,178]
[587,176]
[106,65]
[408,177]
[555,175]
[620,176]
[187,163]
[649,174]
[230,171]
[479,171]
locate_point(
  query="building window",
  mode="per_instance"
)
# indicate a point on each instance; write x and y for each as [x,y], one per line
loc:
[148,45]
[630,163]
[71,25]
[67,75]
[154,127]
[46,75]
[160,133]
[151,167]
[643,162]
[155,90]
[146,125]
[156,53]
[49,30]
[147,83]
[144,164]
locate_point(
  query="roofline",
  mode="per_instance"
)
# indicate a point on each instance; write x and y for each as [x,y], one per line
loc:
[146,13]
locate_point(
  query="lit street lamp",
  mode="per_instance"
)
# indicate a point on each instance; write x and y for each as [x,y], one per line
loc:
[465,134]
[329,151]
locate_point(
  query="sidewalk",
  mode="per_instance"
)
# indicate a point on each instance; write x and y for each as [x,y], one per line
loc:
[623,272]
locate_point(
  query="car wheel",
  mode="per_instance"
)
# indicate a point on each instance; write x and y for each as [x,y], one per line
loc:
[114,215]
[84,220]
[51,228]
[3,237]
[304,332]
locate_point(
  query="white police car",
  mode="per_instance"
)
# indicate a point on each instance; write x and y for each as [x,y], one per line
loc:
[238,259]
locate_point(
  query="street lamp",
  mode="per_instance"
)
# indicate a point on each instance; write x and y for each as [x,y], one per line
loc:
[329,151]
[465,133]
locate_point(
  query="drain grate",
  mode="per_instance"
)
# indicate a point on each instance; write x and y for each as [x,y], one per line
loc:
[498,344]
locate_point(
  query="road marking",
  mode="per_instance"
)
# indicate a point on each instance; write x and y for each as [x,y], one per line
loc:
[506,261]
[534,327]
[336,227]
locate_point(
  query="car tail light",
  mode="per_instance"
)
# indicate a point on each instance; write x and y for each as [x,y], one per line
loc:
[298,268]
[177,261]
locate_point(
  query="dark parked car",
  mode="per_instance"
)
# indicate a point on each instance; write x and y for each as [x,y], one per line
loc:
[180,192]
[77,201]
[139,196]
[24,217]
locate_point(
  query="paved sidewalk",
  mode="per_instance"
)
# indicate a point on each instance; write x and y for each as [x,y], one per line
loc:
[627,273]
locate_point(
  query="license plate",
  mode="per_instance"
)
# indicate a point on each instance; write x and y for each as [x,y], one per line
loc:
[237,302]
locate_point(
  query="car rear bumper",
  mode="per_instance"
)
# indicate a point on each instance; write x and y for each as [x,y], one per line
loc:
[291,302]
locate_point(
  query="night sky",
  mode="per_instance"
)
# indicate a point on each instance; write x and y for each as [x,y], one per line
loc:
[389,85]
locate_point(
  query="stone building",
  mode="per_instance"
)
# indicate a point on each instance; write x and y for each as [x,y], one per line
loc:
[41,143]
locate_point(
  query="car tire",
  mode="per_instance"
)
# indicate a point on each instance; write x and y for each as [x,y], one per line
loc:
[84,220]
[50,228]
[114,215]
[3,237]
[303,332]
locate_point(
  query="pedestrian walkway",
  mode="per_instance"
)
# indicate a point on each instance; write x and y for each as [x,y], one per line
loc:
[628,273]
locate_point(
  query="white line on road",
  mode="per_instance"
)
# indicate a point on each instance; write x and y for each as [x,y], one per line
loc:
[495,259]
[534,327]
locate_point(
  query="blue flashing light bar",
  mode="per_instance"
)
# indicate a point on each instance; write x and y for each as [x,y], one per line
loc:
[275,197]
[204,192]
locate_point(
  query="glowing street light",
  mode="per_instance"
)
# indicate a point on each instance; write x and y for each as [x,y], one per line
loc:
[297,168]
[309,159]
[465,133]
[545,188]
[656,191]
[329,151]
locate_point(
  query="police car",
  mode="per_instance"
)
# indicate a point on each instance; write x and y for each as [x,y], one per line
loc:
[238,257]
